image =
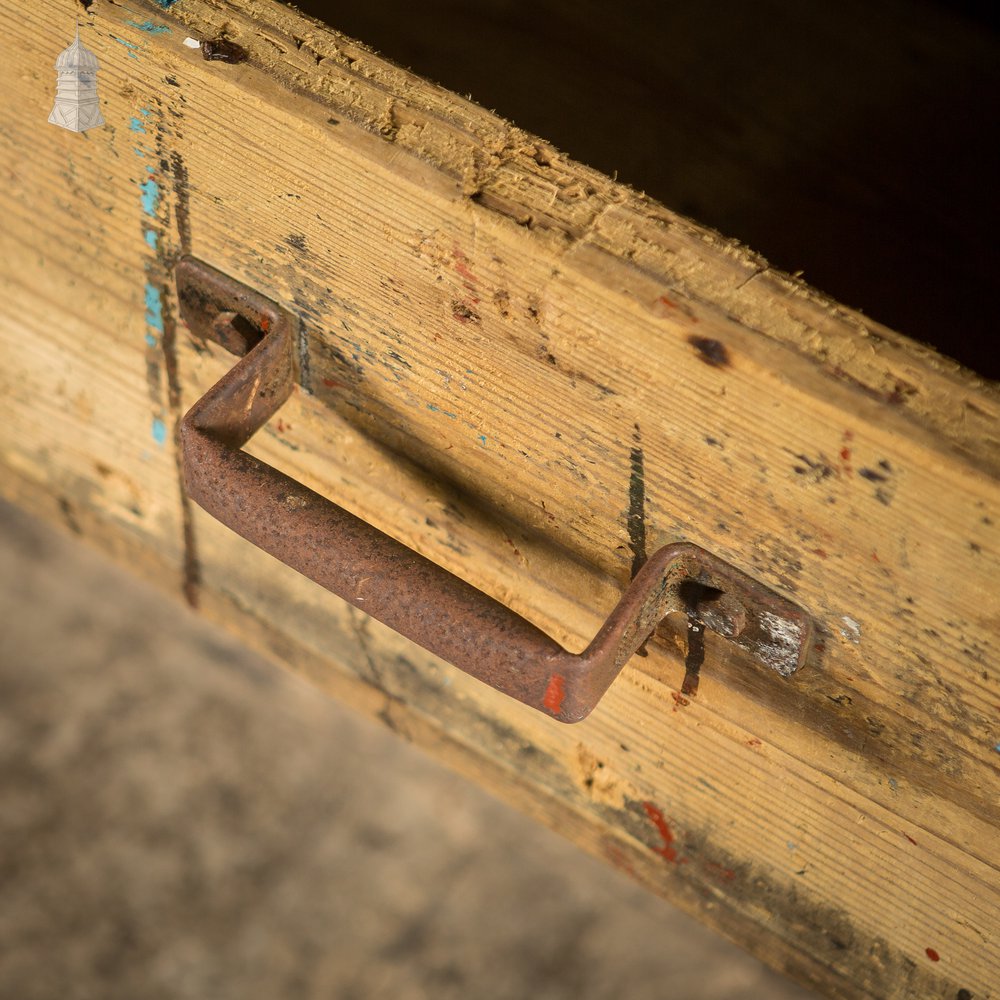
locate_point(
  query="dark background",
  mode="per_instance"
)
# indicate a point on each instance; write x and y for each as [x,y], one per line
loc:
[852,141]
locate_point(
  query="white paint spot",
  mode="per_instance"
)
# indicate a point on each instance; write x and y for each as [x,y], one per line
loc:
[851,630]
[192,43]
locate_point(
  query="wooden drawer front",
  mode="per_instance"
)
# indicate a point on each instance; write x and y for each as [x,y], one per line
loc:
[535,378]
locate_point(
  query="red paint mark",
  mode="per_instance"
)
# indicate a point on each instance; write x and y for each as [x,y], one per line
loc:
[932,954]
[753,742]
[727,874]
[820,552]
[668,302]
[667,850]
[464,271]
[679,700]
[282,426]
[265,324]
[555,693]
[845,452]
[910,839]
[875,557]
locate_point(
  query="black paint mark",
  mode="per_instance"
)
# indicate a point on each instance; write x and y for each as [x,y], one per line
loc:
[637,504]
[297,242]
[333,121]
[817,470]
[695,596]
[86,4]
[963,995]
[872,476]
[172,80]
[181,210]
[223,50]
[464,314]
[712,352]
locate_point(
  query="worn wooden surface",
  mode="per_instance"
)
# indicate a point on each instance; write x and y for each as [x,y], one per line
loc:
[575,375]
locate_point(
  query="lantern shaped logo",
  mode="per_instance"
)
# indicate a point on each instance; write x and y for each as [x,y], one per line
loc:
[76,106]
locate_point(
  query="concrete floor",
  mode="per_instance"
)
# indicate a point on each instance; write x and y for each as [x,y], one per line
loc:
[179,818]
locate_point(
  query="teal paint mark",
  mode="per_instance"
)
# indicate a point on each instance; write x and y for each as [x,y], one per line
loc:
[893,784]
[997,748]
[133,49]
[148,26]
[138,151]
[708,785]
[145,112]
[150,170]
[482,440]
[154,307]
[152,238]
[151,341]
[164,4]
[136,126]
[159,431]
[437,409]
[150,196]
[790,845]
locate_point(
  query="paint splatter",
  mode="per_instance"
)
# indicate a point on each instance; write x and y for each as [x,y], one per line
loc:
[131,46]
[159,431]
[165,4]
[554,694]
[150,196]
[712,352]
[151,237]
[851,629]
[720,871]
[154,307]
[437,409]
[667,850]
[149,27]
[932,954]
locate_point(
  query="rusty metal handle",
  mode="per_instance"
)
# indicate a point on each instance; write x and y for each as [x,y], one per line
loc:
[397,586]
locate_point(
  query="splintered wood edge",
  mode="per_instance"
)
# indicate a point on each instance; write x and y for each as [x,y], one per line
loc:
[568,207]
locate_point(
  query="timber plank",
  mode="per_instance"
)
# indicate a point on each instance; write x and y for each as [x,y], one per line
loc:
[574,379]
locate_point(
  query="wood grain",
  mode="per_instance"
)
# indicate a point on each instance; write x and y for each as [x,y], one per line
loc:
[534,377]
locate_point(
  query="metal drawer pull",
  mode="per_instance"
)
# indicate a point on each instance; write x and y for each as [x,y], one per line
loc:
[397,586]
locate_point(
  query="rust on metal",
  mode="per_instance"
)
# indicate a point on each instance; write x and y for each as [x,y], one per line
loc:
[402,589]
